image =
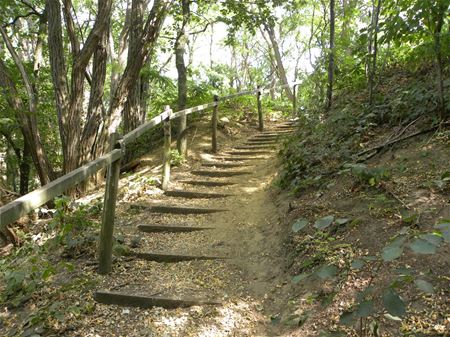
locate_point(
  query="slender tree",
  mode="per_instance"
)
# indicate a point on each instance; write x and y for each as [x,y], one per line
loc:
[28,121]
[331,54]
[180,49]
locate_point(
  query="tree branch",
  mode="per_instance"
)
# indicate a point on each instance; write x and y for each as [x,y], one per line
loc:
[13,22]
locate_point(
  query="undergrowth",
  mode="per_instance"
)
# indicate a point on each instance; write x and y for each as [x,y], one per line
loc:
[48,264]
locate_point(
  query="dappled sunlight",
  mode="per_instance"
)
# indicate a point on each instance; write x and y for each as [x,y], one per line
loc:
[252,189]
[230,319]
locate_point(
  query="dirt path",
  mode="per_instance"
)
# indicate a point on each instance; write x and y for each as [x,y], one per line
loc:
[249,282]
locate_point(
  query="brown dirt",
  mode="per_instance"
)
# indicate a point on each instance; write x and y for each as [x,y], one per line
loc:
[250,283]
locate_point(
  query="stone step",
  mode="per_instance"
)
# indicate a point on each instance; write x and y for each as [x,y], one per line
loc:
[208,183]
[246,153]
[148,301]
[177,209]
[170,229]
[218,174]
[172,258]
[221,164]
[195,195]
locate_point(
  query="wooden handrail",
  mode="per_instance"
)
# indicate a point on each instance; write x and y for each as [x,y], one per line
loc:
[25,204]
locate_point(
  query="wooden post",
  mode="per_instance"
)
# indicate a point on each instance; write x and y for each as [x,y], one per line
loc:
[167,141]
[109,210]
[214,125]
[294,102]
[260,113]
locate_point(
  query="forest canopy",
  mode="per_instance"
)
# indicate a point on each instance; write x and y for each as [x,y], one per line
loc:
[73,72]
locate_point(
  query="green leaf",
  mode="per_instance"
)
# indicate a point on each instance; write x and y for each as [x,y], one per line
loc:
[326,272]
[444,228]
[324,222]
[48,272]
[391,253]
[342,221]
[434,239]
[357,264]
[361,296]
[425,286]
[300,277]
[365,309]
[393,303]
[347,317]
[299,225]
[421,246]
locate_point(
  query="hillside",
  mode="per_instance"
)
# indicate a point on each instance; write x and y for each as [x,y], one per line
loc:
[368,230]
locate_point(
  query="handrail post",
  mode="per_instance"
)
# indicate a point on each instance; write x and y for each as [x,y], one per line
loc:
[167,141]
[260,113]
[214,125]
[109,209]
[294,102]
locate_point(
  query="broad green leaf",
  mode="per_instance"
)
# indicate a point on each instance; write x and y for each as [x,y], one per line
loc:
[361,296]
[324,222]
[365,309]
[299,225]
[370,258]
[391,253]
[393,303]
[425,286]
[444,228]
[357,264]
[300,277]
[434,239]
[422,246]
[326,272]
[342,221]
[347,318]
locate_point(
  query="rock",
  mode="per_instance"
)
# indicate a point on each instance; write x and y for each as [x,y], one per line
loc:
[224,120]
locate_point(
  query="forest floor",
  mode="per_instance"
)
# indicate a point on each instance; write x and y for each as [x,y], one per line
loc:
[249,282]
[254,283]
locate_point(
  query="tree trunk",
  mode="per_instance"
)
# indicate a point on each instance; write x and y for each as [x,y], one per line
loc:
[90,147]
[180,48]
[277,54]
[134,65]
[331,58]
[118,59]
[438,54]
[373,49]
[28,127]
[24,169]
[69,101]
[131,117]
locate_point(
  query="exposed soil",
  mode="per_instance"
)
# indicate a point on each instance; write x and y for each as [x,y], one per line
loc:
[259,253]
[248,280]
